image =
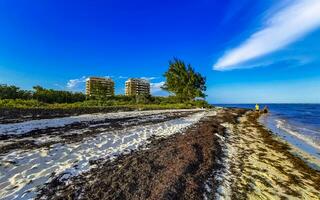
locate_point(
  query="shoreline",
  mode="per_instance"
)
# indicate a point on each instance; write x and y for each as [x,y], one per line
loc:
[224,153]
[269,169]
[298,147]
[244,160]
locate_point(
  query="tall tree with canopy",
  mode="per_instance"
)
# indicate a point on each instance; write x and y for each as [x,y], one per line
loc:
[183,81]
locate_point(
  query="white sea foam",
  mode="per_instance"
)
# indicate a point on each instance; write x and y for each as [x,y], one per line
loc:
[285,126]
[22,172]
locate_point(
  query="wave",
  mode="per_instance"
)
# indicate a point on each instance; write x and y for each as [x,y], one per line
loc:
[311,137]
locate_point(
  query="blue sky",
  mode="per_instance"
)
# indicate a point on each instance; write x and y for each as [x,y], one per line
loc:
[250,51]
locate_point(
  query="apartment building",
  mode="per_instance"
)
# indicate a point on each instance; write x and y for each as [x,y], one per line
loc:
[137,86]
[96,86]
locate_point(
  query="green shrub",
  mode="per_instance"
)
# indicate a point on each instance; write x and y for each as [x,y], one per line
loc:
[56,96]
[20,103]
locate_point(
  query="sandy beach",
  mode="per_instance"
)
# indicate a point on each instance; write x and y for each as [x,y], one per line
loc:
[171,154]
[265,167]
[160,100]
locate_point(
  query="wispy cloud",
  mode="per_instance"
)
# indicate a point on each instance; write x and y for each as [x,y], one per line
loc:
[284,27]
[144,77]
[109,77]
[78,84]
[149,78]
[73,83]
[57,85]
[156,89]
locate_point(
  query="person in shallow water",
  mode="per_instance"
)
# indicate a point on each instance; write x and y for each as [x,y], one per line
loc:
[257,107]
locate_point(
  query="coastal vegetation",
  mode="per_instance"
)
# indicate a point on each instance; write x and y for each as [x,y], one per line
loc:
[13,92]
[185,85]
[152,103]
[40,94]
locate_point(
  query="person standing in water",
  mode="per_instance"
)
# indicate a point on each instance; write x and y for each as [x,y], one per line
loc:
[257,107]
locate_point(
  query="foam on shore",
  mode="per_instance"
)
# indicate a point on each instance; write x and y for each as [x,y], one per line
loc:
[302,145]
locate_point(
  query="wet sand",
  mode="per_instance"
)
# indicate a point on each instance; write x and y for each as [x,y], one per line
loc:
[265,167]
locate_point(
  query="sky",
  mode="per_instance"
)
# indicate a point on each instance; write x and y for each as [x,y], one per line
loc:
[250,51]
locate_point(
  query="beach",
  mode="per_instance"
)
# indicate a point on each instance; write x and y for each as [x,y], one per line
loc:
[219,153]
[160,100]
[265,167]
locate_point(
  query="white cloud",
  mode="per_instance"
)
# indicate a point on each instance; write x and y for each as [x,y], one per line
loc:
[149,78]
[73,83]
[59,86]
[286,26]
[156,89]
[144,77]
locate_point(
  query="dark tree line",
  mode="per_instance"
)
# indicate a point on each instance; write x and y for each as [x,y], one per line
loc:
[13,92]
[41,94]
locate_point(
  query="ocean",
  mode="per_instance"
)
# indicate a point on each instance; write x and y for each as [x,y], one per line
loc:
[299,124]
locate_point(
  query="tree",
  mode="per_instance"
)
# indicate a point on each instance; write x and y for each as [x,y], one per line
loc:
[183,81]
[13,92]
[56,96]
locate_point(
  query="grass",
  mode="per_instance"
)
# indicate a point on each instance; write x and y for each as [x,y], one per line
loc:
[34,104]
